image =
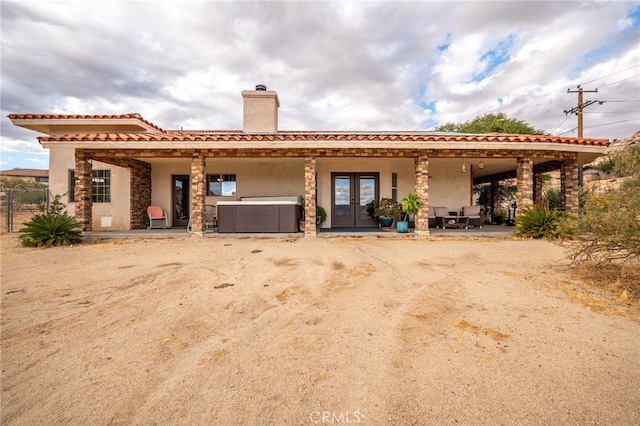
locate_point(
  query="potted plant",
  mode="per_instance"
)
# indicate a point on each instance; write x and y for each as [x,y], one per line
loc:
[410,206]
[499,217]
[321,215]
[301,220]
[387,210]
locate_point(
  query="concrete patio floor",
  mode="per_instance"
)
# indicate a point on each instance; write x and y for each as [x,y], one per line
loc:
[488,231]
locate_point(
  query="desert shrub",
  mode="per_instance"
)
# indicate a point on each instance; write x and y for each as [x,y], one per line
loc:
[609,226]
[607,165]
[540,222]
[52,227]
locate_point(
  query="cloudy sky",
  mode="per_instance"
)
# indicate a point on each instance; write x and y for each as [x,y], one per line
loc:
[364,65]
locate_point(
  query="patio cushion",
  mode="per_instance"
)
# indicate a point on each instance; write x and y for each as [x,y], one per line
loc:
[471,211]
[441,211]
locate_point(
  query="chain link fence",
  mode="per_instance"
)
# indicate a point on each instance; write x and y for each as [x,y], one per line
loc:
[18,205]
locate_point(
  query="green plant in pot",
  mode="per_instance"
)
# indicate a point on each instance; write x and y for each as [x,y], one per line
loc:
[321,215]
[387,210]
[499,217]
[410,206]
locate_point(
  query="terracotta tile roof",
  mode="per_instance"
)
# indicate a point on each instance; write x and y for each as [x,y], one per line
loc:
[129,116]
[289,136]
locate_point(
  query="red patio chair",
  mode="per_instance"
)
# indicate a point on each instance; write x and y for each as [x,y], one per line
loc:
[157,213]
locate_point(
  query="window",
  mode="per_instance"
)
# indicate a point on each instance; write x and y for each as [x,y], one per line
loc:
[221,185]
[100,186]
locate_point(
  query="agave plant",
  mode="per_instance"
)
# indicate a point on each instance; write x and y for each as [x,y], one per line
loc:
[553,197]
[540,222]
[52,227]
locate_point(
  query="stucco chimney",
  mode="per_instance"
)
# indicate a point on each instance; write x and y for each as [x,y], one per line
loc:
[260,113]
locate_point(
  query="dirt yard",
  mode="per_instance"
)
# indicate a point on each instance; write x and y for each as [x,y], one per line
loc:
[233,331]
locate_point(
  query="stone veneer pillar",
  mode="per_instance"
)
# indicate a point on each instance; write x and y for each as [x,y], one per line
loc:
[537,188]
[140,187]
[494,200]
[422,190]
[524,173]
[569,185]
[310,196]
[82,194]
[198,194]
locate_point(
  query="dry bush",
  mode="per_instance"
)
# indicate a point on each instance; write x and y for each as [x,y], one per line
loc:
[613,288]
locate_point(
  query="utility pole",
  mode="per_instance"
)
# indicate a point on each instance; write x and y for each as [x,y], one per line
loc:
[581,105]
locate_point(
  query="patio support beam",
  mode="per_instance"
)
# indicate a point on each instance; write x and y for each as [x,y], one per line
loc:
[83,189]
[198,193]
[422,190]
[524,174]
[310,196]
[569,187]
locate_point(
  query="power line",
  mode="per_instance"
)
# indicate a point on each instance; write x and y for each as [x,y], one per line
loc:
[608,124]
[591,127]
[565,119]
[613,112]
[620,81]
[609,75]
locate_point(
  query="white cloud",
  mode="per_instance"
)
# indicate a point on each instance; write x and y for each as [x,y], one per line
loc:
[335,65]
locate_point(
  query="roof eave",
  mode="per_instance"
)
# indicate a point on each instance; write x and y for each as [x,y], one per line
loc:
[430,145]
[60,126]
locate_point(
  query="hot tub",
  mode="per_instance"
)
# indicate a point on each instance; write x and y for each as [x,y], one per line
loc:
[259,214]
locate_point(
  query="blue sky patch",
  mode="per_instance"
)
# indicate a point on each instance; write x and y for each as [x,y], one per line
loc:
[596,53]
[24,160]
[491,59]
[444,46]
[431,106]
[425,105]
[634,18]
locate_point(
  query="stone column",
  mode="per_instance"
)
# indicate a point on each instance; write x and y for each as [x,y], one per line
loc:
[494,201]
[524,173]
[569,187]
[198,193]
[537,188]
[82,194]
[422,190]
[140,186]
[310,196]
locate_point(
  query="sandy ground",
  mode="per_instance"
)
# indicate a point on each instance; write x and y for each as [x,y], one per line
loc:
[312,331]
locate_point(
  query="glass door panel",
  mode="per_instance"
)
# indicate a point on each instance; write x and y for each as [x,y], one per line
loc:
[354,197]
[181,200]
[342,211]
[366,200]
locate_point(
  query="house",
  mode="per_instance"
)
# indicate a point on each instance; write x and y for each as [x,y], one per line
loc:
[113,166]
[27,175]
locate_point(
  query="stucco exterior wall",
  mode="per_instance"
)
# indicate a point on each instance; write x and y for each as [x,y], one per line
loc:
[113,216]
[254,177]
[448,186]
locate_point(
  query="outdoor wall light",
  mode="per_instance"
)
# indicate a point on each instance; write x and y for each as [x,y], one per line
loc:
[481,165]
[464,168]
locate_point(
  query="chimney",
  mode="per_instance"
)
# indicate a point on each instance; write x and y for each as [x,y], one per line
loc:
[260,113]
